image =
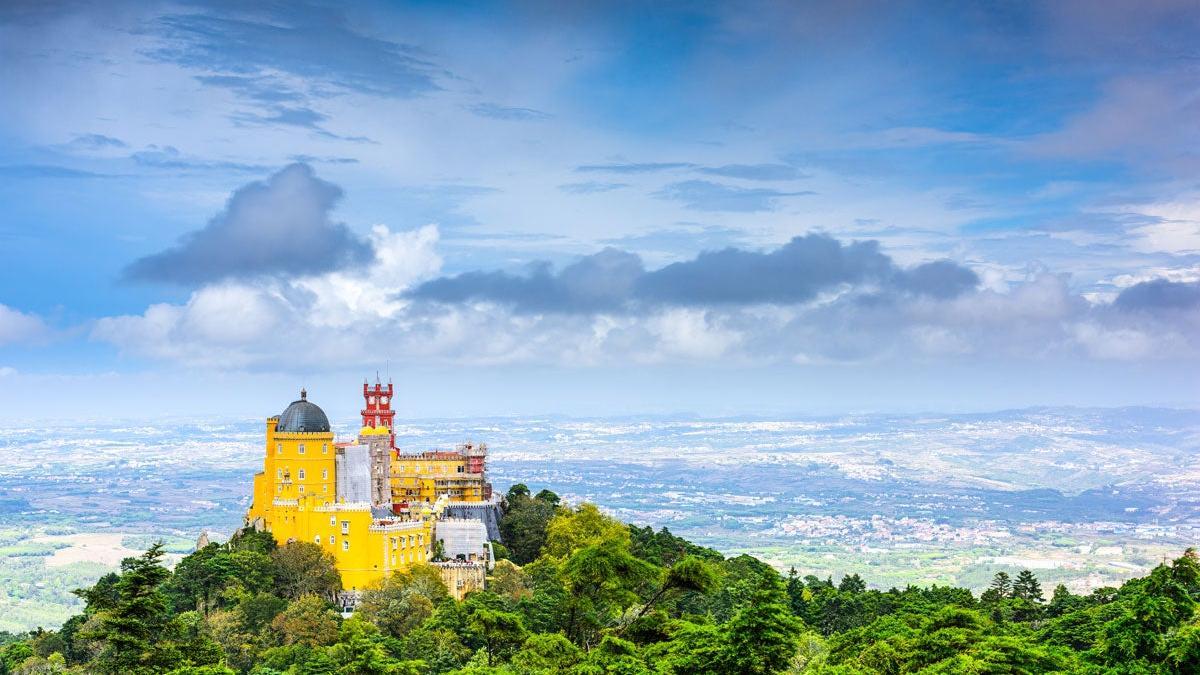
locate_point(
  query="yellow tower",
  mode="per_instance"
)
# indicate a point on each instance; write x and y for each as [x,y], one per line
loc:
[299,464]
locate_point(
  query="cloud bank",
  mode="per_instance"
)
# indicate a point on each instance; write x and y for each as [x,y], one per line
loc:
[607,310]
[275,290]
[616,280]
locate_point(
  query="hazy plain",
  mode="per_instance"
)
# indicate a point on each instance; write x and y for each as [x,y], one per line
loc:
[1083,496]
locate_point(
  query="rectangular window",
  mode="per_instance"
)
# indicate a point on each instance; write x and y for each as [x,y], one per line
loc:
[279,448]
[301,449]
[279,474]
[345,527]
[393,545]
[324,448]
[324,488]
[324,474]
[301,489]
[332,541]
[332,521]
[345,544]
[301,474]
[317,540]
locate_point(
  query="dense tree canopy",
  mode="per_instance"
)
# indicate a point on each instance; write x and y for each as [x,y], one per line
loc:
[587,595]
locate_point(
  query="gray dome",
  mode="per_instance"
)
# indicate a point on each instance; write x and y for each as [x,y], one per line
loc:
[303,417]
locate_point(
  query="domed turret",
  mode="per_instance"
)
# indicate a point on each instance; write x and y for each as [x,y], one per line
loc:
[303,417]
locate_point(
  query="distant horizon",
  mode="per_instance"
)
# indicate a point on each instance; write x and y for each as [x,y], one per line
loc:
[351,422]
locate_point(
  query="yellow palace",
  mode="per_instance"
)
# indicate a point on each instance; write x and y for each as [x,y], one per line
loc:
[375,509]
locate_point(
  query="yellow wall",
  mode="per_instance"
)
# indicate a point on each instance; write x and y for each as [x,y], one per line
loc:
[305,508]
[296,465]
[365,552]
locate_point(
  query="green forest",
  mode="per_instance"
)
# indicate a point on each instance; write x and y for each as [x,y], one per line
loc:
[578,592]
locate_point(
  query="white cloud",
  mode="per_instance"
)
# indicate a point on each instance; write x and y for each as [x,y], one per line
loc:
[1146,120]
[1163,226]
[692,334]
[1171,236]
[18,326]
[1119,344]
[401,258]
[243,324]
[354,318]
[1176,274]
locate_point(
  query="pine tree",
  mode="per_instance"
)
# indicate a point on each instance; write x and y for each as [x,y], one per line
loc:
[852,583]
[131,631]
[762,637]
[795,590]
[1027,587]
[1002,584]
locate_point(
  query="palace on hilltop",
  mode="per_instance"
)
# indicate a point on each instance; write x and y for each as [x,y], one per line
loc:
[375,508]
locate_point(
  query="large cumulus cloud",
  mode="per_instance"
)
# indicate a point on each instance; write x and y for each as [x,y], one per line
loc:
[281,226]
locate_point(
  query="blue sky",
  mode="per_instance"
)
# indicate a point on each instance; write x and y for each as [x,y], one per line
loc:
[604,208]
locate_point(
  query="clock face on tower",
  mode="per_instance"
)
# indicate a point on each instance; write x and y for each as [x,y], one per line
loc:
[383,400]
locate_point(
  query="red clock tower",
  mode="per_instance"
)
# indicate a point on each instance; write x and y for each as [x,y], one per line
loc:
[377,405]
